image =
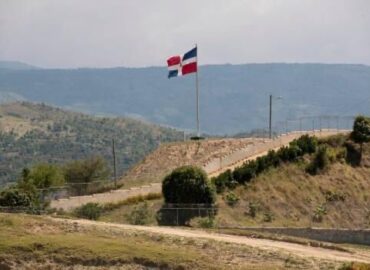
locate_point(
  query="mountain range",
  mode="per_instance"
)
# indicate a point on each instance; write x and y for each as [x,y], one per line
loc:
[233,98]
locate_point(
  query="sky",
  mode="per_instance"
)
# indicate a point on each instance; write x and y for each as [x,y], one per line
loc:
[139,33]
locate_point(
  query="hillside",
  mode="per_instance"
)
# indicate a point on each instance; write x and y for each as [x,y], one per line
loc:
[33,133]
[172,155]
[29,242]
[307,90]
[289,196]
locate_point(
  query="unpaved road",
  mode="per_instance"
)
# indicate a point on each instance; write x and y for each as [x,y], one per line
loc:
[296,249]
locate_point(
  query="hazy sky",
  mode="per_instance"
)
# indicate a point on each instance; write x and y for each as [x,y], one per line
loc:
[102,33]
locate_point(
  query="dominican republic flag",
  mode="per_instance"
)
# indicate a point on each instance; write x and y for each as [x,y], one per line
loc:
[178,66]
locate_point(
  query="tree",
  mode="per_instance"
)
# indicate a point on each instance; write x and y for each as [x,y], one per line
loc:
[361,131]
[80,173]
[45,176]
[188,185]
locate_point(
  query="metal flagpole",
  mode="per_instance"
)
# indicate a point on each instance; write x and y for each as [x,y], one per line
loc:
[197,93]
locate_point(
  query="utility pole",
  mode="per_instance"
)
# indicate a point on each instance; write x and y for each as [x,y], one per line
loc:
[114,164]
[270,118]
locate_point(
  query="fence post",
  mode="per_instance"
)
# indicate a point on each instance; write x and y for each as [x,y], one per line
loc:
[177,216]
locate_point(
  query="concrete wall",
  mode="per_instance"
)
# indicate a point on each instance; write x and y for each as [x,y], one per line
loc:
[361,236]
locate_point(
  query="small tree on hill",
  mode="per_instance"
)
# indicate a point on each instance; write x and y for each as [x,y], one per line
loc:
[188,185]
[361,131]
[81,173]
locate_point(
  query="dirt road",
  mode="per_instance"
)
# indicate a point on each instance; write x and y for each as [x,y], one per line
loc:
[296,249]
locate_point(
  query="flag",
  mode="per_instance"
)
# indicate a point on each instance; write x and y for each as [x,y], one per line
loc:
[178,66]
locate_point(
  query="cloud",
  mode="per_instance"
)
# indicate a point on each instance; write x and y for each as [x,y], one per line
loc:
[95,33]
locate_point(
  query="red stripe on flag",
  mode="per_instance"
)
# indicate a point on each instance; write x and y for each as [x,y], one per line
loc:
[174,60]
[189,68]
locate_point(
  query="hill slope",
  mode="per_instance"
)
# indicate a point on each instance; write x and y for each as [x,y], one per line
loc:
[287,195]
[233,98]
[169,156]
[32,133]
[28,242]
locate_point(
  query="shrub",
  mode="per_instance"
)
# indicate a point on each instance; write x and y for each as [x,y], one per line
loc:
[307,144]
[268,217]
[188,185]
[46,175]
[203,222]
[334,196]
[89,211]
[223,181]
[320,160]
[361,130]
[337,140]
[319,213]
[353,153]
[80,173]
[253,209]
[246,172]
[140,215]
[15,198]
[231,199]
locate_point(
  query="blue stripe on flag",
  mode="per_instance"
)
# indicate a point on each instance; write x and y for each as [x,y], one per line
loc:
[190,54]
[172,73]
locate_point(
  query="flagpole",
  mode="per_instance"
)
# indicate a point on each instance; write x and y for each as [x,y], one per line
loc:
[197,93]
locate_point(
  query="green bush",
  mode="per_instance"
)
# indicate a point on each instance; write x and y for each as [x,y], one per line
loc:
[188,185]
[253,209]
[203,222]
[320,161]
[89,211]
[250,169]
[319,213]
[361,130]
[246,172]
[307,144]
[337,140]
[231,199]
[223,181]
[268,217]
[353,153]
[140,215]
[80,174]
[15,198]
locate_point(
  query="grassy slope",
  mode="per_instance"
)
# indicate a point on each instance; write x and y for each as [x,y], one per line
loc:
[169,156]
[291,197]
[31,133]
[38,242]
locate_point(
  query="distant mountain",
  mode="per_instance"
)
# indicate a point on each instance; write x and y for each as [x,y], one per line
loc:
[14,65]
[34,133]
[233,98]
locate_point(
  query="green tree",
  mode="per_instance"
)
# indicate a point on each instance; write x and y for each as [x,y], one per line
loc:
[81,173]
[188,185]
[361,131]
[45,176]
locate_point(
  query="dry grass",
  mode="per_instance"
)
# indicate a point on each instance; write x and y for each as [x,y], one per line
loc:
[155,166]
[39,241]
[291,197]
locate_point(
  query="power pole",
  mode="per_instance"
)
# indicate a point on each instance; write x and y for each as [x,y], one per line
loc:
[114,164]
[270,118]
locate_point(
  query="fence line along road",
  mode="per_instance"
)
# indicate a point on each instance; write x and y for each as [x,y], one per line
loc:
[250,152]
[212,168]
